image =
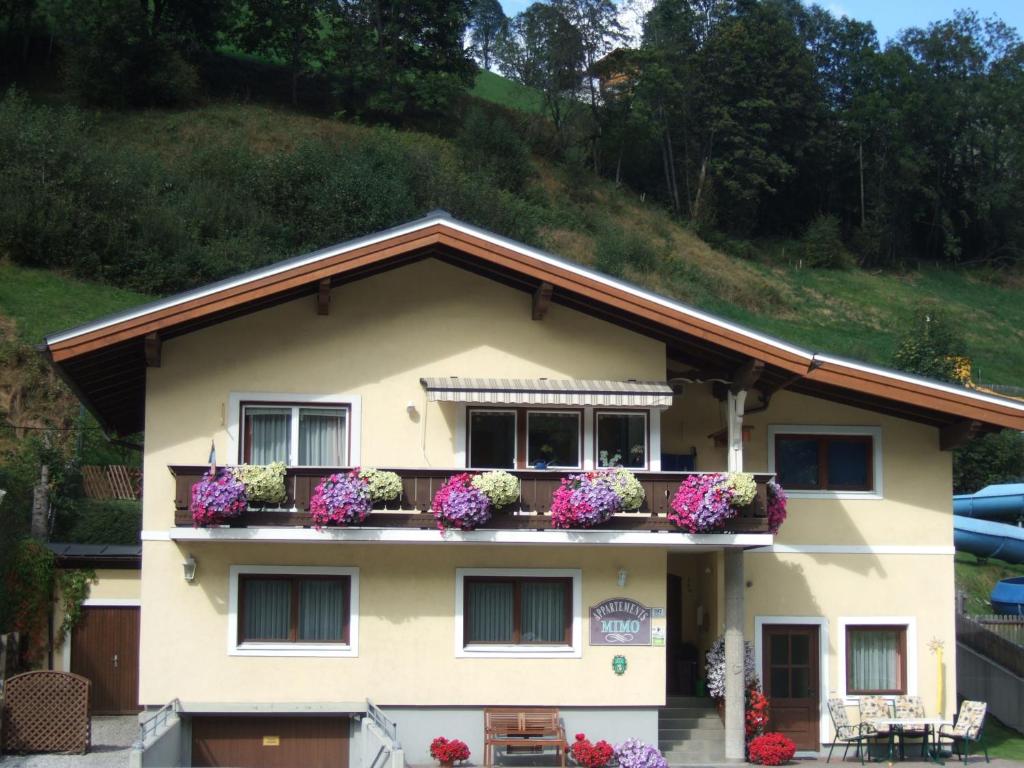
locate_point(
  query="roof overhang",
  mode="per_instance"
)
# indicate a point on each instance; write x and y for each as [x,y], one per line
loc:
[105,361]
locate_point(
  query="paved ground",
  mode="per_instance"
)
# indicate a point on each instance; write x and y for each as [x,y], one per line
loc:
[112,738]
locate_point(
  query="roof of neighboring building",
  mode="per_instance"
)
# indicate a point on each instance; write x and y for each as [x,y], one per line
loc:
[70,555]
[105,361]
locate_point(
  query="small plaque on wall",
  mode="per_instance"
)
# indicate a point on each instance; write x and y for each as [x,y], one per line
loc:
[620,621]
[271,741]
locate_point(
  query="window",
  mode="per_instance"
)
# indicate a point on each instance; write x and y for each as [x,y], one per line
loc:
[518,612]
[876,659]
[827,461]
[308,436]
[622,440]
[522,438]
[292,611]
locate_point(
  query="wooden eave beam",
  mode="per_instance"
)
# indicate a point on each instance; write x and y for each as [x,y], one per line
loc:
[542,300]
[152,344]
[746,375]
[323,297]
[958,434]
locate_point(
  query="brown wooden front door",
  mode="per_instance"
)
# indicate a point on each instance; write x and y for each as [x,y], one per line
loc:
[791,678]
[270,742]
[105,649]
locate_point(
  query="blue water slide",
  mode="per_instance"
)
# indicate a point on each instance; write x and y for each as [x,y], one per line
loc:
[987,538]
[1003,502]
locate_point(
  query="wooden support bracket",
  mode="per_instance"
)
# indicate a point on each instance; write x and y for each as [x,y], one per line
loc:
[542,300]
[323,297]
[152,346]
[955,435]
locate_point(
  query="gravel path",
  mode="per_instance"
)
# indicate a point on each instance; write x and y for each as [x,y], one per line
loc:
[112,739]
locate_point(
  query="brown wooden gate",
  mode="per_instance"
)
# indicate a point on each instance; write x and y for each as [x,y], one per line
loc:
[791,682]
[105,649]
[45,712]
[270,742]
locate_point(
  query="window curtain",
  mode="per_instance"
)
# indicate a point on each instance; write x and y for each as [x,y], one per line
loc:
[321,610]
[489,608]
[271,434]
[543,612]
[874,660]
[322,437]
[267,608]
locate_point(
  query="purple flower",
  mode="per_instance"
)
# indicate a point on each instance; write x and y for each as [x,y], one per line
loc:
[217,498]
[340,499]
[633,753]
[460,504]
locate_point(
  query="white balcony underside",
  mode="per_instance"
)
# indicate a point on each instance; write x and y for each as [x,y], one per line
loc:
[663,539]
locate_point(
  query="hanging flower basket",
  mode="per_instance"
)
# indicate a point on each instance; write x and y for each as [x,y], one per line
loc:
[706,502]
[384,486]
[217,498]
[264,483]
[459,504]
[776,506]
[591,498]
[500,487]
[340,499]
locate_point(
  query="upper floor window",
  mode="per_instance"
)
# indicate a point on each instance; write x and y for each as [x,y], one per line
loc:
[524,438]
[298,435]
[822,461]
[621,439]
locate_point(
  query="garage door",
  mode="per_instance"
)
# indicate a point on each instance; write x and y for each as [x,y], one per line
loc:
[270,742]
[105,649]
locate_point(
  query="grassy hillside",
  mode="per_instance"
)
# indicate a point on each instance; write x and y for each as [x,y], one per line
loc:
[507,93]
[977,578]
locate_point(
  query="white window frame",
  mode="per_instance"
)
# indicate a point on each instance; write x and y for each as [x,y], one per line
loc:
[648,435]
[580,416]
[296,401]
[468,434]
[491,651]
[350,649]
[818,429]
[910,622]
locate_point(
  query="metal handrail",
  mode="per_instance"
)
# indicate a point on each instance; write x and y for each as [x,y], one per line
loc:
[150,726]
[388,727]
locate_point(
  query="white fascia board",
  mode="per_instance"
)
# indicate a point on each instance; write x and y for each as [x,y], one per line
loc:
[422,536]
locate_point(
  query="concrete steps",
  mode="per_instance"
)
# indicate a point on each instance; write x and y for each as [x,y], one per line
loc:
[690,732]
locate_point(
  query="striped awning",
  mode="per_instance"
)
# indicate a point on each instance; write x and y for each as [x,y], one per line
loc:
[549,392]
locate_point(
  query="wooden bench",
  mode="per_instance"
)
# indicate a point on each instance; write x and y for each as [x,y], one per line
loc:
[522,727]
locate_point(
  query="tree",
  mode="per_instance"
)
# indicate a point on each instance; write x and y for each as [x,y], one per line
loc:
[487,21]
[931,346]
[988,460]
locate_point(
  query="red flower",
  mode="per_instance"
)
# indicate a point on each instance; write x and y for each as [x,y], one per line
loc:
[771,749]
[590,755]
[448,751]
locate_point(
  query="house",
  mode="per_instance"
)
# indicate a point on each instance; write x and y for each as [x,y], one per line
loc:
[436,347]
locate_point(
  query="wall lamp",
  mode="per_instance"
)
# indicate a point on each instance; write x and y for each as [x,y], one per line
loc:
[189,567]
[622,576]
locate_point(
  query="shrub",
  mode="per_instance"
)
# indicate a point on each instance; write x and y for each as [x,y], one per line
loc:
[617,251]
[488,143]
[823,245]
[448,750]
[771,749]
[590,755]
[96,521]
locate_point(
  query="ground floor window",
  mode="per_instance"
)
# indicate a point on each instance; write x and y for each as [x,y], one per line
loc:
[293,611]
[510,612]
[876,659]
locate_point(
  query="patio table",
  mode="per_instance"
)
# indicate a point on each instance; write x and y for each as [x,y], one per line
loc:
[931,727]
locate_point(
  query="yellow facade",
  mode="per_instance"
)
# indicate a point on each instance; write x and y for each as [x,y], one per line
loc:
[430,319]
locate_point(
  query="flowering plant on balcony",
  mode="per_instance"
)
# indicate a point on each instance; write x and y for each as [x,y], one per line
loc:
[264,483]
[776,506]
[460,504]
[590,755]
[384,486]
[771,749]
[706,502]
[626,487]
[340,499]
[715,669]
[499,486]
[584,500]
[217,497]
[447,751]
[633,753]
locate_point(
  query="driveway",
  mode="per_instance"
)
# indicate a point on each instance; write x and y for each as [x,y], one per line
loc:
[112,739]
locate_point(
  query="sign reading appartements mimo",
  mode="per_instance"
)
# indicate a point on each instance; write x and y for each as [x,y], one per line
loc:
[620,621]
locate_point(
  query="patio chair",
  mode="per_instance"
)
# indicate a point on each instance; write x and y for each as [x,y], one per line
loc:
[873,708]
[911,706]
[847,732]
[966,730]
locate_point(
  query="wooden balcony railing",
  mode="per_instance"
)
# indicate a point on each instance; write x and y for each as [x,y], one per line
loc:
[412,510]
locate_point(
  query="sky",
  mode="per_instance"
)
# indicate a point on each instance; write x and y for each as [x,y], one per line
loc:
[891,16]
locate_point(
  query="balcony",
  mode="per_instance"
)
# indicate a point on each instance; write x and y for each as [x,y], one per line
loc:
[412,510]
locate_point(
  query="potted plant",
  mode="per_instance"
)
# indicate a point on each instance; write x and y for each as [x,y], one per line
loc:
[264,483]
[776,506]
[633,753]
[590,498]
[466,501]
[590,755]
[218,497]
[448,751]
[340,499]
[771,749]
[500,487]
[706,502]
[384,486]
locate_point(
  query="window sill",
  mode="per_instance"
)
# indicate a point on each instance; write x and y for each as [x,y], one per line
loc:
[519,652]
[835,495]
[324,650]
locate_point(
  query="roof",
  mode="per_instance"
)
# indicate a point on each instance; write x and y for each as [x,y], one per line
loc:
[70,555]
[549,391]
[104,361]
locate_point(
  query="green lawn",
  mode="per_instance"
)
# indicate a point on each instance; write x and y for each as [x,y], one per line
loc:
[42,302]
[1002,741]
[508,93]
[977,579]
